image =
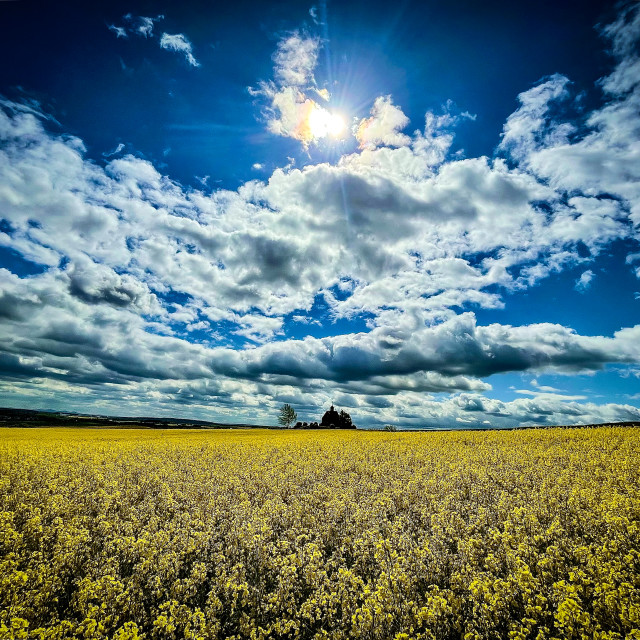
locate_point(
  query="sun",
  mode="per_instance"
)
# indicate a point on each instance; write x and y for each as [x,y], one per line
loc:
[323,123]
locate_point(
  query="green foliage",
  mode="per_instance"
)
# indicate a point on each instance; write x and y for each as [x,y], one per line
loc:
[287,415]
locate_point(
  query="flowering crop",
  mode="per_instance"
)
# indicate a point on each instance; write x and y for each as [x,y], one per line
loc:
[125,534]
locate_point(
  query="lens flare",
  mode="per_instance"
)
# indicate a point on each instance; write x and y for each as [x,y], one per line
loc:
[323,123]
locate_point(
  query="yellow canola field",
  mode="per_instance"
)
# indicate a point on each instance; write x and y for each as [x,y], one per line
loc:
[129,534]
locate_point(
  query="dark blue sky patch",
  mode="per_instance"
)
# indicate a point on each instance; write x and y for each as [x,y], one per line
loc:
[15,262]
[320,321]
[556,299]
[143,93]
[172,297]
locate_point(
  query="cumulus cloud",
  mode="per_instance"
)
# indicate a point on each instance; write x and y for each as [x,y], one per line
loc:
[384,125]
[396,236]
[480,411]
[456,347]
[290,113]
[80,333]
[603,162]
[179,42]
[95,284]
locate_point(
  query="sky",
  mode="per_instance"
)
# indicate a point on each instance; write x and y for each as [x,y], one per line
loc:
[424,213]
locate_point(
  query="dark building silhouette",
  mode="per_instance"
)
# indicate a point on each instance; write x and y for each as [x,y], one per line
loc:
[334,420]
[330,418]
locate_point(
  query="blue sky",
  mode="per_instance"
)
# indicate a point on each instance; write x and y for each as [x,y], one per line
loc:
[426,214]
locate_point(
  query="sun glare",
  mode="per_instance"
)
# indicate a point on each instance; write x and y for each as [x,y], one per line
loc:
[323,123]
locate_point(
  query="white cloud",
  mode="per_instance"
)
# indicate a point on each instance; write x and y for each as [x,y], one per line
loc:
[390,222]
[115,152]
[384,125]
[295,60]
[143,26]
[120,32]
[136,25]
[290,111]
[527,129]
[584,281]
[478,410]
[313,12]
[624,30]
[544,388]
[97,284]
[603,162]
[292,114]
[397,234]
[179,42]
[549,396]
[631,258]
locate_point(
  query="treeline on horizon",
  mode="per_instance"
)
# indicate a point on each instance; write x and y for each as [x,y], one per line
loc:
[37,418]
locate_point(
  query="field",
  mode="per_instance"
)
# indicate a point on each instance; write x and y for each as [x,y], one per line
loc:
[272,534]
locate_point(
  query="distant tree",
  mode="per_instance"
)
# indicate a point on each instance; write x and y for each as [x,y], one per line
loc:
[287,415]
[390,427]
[345,420]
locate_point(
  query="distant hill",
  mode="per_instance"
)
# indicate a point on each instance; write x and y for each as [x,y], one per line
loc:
[31,418]
[40,418]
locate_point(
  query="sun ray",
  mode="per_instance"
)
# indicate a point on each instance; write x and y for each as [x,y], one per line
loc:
[323,123]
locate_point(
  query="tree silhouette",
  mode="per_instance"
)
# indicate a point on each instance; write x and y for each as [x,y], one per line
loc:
[345,420]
